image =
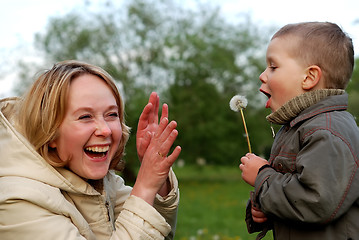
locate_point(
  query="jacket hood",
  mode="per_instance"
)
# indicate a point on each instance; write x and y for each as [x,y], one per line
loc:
[19,158]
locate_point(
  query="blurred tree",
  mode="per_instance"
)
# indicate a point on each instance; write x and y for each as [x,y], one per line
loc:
[353,90]
[195,58]
[211,60]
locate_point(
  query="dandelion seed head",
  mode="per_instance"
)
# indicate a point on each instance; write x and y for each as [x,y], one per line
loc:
[238,102]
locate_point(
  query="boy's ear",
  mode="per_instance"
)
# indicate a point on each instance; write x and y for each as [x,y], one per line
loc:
[313,78]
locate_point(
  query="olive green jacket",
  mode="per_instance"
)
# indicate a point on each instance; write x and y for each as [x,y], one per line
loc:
[311,190]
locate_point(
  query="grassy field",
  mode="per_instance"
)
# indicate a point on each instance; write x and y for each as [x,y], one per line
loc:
[212,205]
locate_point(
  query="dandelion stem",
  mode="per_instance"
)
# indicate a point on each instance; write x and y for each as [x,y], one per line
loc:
[245,129]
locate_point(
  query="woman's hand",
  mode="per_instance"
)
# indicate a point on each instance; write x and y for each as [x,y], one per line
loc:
[250,164]
[152,177]
[148,123]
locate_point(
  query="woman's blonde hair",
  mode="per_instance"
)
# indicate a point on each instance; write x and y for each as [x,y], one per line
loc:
[43,108]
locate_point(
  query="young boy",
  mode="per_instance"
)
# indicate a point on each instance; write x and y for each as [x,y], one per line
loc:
[309,187]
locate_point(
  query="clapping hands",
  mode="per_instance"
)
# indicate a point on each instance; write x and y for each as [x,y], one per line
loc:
[154,140]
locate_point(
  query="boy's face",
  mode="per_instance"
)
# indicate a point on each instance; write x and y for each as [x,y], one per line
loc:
[282,79]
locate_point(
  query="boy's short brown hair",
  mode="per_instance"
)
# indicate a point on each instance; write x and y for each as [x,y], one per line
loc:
[323,44]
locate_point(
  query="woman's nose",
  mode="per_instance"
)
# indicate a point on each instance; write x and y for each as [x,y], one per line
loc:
[102,128]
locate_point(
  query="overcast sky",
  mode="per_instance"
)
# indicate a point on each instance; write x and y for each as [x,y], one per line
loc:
[21,19]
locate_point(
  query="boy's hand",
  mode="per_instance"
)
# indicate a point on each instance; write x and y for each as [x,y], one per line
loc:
[258,216]
[250,164]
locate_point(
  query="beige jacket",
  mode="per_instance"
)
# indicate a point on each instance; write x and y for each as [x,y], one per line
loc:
[38,201]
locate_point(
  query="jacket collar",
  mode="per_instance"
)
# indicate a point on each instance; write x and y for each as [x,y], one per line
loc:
[291,109]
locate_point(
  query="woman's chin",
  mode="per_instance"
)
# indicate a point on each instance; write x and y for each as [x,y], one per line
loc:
[96,173]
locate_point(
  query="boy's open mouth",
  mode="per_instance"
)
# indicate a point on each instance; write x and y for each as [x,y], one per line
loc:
[268,96]
[265,93]
[97,152]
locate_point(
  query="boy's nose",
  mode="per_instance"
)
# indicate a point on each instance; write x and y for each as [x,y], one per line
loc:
[262,77]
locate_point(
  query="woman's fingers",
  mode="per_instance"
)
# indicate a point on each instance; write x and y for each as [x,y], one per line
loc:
[144,117]
[166,135]
[149,117]
[143,143]
[155,101]
[164,113]
[161,127]
[173,156]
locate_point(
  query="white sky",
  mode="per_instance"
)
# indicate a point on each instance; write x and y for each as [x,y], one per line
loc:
[21,19]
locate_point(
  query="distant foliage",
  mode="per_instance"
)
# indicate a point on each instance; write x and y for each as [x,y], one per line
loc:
[353,90]
[197,59]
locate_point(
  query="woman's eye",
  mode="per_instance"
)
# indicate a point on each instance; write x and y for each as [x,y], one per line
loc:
[114,114]
[86,116]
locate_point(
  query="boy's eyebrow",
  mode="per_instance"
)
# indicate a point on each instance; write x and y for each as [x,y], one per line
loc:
[269,59]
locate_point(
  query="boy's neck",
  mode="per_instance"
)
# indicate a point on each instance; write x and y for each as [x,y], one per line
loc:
[293,107]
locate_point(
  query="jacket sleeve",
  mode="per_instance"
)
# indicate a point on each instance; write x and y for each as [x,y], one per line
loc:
[321,187]
[168,206]
[136,219]
[139,220]
[38,223]
[252,226]
[30,213]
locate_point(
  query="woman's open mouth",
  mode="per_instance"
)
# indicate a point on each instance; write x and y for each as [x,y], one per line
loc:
[97,152]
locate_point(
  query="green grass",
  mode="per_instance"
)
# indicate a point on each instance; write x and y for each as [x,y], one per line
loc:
[212,204]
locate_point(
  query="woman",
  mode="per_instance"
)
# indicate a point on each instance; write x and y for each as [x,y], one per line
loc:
[59,146]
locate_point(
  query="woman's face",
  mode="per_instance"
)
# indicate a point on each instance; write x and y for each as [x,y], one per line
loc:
[91,130]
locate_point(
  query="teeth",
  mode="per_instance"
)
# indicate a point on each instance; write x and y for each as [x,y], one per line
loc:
[98,149]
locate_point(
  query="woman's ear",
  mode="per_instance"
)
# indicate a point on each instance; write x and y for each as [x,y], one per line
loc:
[52,144]
[313,78]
